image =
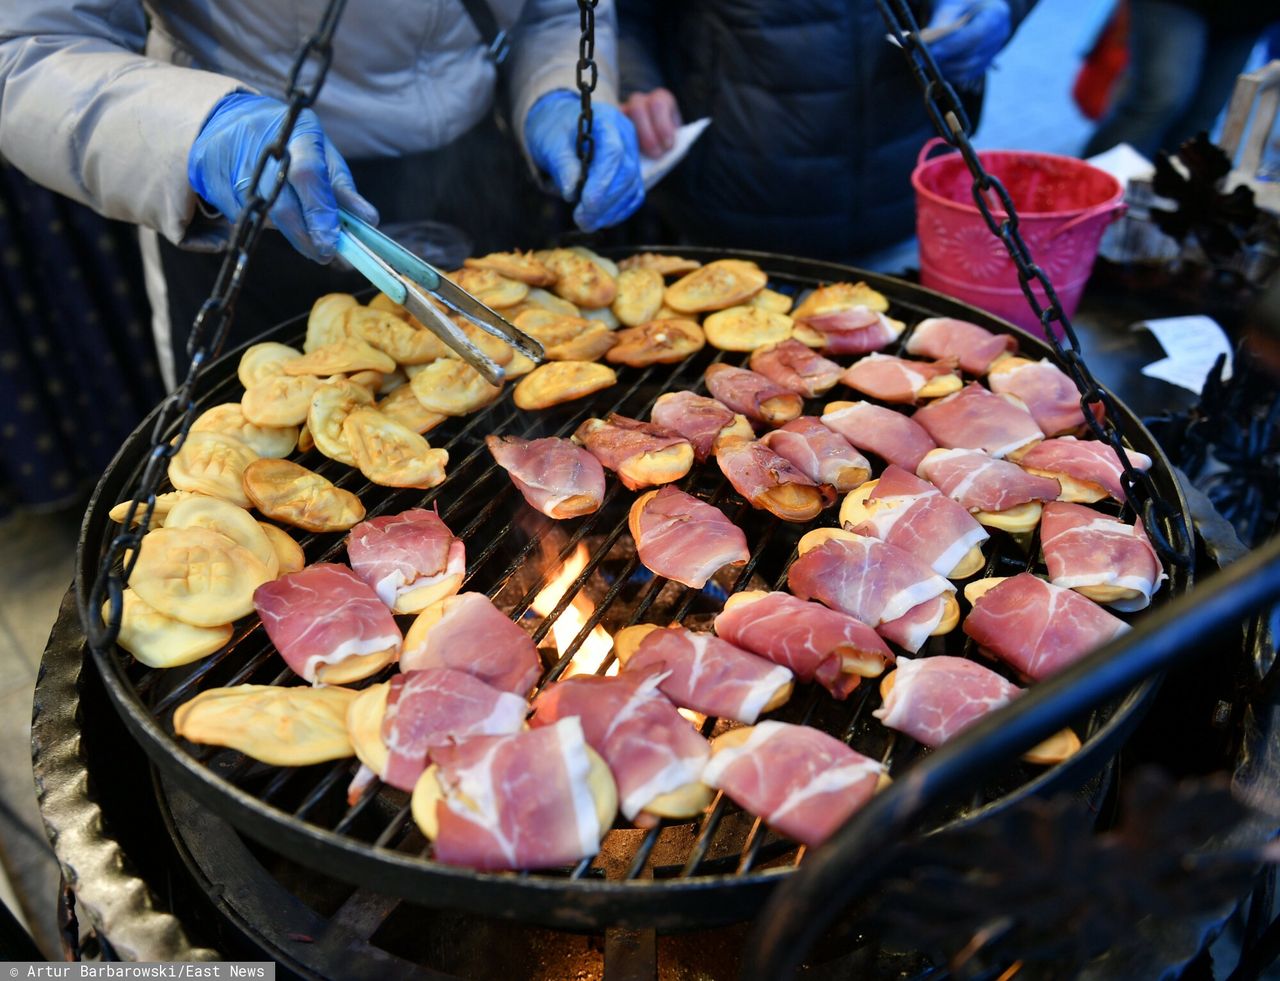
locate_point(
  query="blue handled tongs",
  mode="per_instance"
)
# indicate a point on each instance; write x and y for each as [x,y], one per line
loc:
[411,282]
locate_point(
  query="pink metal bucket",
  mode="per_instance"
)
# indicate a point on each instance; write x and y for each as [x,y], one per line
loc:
[1064,205]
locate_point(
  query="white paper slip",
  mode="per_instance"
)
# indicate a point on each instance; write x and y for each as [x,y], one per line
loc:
[1192,345]
[1184,374]
[654,169]
[1124,163]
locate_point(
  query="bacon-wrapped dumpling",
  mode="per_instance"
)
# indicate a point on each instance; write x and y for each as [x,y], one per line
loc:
[1000,494]
[655,754]
[771,482]
[815,642]
[704,673]
[975,348]
[796,367]
[702,421]
[1088,470]
[640,453]
[1101,557]
[411,559]
[975,419]
[1035,627]
[890,435]
[933,699]
[800,781]
[901,380]
[755,396]
[328,624]
[1045,389]
[911,513]
[683,538]
[535,799]
[395,725]
[468,633]
[821,454]
[556,476]
[877,583]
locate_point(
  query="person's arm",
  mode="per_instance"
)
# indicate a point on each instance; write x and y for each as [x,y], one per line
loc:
[544,56]
[83,113]
[545,110]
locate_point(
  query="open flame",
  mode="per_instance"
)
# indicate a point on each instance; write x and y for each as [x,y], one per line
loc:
[588,658]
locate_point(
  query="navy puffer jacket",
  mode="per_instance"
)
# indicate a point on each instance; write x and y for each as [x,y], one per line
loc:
[816,120]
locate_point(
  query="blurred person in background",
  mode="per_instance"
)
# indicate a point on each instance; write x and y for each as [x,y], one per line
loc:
[816,119]
[156,114]
[1184,57]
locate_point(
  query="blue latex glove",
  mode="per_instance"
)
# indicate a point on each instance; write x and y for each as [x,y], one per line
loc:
[614,188]
[220,167]
[965,54]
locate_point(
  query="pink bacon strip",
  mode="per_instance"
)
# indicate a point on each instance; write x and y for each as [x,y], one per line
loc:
[800,781]
[650,748]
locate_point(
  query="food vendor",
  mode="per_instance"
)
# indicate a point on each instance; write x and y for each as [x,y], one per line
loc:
[156,114]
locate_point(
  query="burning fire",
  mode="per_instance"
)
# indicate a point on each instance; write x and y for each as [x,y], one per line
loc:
[588,658]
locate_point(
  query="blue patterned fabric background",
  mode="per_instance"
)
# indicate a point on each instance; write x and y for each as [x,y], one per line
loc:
[78,368]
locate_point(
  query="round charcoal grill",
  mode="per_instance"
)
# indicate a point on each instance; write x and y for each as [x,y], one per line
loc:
[713,870]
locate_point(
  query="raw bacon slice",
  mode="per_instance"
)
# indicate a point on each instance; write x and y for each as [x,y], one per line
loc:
[683,538]
[1089,462]
[410,559]
[853,330]
[796,367]
[821,454]
[874,582]
[800,781]
[933,698]
[978,482]
[771,482]
[975,419]
[700,420]
[974,347]
[1039,628]
[651,748]
[913,515]
[755,396]
[517,802]
[556,476]
[890,435]
[709,675]
[1106,559]
[324,615]
[437,707]
[1049,395]
[640,453]
[468,633]
[811,640]
[914,627]
[891,379]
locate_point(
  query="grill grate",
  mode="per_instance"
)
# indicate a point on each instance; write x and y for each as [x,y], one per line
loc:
[725,857]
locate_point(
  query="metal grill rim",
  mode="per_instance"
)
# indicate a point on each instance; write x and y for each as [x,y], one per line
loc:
[396,850]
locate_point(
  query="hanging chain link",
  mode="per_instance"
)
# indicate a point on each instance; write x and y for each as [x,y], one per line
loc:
[208,333]
[1162,520]
[588,75]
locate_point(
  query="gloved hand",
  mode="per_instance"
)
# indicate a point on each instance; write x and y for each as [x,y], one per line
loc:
[220,167]
[965,54]
[614,189]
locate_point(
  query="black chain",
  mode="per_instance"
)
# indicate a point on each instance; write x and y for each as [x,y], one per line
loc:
[588,75]
[1162,520]
[208,333]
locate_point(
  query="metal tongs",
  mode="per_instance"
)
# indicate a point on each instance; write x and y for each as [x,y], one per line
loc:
[412,282]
